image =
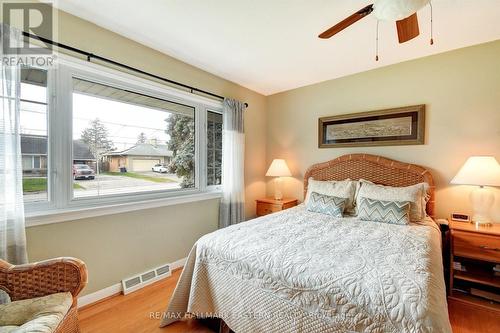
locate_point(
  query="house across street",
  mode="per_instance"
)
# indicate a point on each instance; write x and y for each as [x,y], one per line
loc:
[139,158]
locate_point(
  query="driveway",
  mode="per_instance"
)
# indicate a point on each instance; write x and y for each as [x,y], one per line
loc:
[116,184]
[171,176]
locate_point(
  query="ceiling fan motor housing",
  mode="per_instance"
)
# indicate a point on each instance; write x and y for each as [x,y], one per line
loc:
[394,10]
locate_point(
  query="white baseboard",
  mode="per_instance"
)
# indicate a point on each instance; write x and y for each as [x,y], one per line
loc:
[178,264]
[116,288]
[100,294]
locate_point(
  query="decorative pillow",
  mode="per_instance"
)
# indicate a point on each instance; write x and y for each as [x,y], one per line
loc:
[326,204]
[415,194]
[341,189]
[393,212]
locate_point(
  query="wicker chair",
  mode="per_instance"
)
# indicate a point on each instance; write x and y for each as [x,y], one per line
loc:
[45,278]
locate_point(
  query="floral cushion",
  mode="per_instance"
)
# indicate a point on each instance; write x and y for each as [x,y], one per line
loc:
[37,315]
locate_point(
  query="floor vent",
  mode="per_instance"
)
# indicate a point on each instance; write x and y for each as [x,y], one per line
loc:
[141,280]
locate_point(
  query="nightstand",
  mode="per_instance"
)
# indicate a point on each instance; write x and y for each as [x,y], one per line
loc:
[477,249]
[270,205]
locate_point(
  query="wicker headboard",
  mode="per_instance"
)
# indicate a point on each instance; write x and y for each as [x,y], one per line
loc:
[374,168]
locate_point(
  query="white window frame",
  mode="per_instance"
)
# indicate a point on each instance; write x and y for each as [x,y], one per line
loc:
[61,205]
[212,187]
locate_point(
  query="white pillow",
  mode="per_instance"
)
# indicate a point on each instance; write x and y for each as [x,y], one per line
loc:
[341,189]
[415,194]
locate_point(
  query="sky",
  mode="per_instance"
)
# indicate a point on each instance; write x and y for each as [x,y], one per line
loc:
[33,116]
[124,121]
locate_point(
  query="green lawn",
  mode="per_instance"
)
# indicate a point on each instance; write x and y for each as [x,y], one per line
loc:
[140,176]
[40,185]
[34,184]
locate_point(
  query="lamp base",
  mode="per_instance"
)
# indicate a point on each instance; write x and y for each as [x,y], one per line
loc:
[482,224]
[481,221]
[278,195]
[482,200]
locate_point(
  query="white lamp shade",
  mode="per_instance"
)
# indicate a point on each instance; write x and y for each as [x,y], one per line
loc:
[278,168]
[479,170]
[393,10]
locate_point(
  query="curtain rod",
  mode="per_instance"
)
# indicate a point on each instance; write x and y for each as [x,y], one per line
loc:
[90,55]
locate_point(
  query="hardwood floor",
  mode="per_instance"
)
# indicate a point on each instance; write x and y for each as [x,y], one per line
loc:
[132,313]
[468,319]
[135,312]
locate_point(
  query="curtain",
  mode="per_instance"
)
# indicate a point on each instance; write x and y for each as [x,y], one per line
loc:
[12,232]
[232,207]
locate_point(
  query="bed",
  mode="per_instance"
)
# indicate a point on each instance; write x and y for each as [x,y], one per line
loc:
[302,271]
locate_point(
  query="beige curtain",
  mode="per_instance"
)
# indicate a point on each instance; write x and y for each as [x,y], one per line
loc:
[232,207]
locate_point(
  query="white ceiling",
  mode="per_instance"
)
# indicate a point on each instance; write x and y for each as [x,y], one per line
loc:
[271,45]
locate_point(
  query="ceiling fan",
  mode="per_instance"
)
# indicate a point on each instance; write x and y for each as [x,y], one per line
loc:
[404,12]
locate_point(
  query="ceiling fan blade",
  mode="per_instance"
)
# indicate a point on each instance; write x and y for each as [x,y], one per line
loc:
[347,22]
[407,28]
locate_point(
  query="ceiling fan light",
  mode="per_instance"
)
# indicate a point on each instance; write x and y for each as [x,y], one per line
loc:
[394,10]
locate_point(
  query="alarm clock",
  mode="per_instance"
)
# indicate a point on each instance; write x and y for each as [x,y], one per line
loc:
[458,217]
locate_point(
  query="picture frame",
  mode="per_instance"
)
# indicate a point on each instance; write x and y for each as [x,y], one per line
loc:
[388,127]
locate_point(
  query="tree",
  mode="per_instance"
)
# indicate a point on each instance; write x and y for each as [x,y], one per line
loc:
[181,143]
[97,139]
[142,138]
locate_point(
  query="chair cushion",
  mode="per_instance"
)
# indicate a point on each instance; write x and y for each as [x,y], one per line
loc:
[40,314]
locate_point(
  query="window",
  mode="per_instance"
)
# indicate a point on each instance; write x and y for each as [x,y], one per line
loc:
[27,163]
[36,162]
[125,142]
[119,139]
[34,133]
[214,148]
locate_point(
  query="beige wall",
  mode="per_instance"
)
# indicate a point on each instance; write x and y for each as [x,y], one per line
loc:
[118,246]
[461,91]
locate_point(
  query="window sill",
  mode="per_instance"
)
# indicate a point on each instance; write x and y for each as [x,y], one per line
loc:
[64,215]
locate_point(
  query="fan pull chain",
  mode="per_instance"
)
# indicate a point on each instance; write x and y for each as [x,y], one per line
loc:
[376,45]
[432,38]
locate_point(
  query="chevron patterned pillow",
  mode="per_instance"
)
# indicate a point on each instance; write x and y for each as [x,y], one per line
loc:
[326,204]
[393,212]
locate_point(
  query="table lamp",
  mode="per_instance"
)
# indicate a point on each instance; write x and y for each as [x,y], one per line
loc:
[278,169]
[480,171]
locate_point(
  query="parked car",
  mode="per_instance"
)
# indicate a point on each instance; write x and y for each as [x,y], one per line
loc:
[83,171]
[161,168]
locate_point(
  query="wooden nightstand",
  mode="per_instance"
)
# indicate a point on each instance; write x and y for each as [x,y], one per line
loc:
[478,249]
[270,205]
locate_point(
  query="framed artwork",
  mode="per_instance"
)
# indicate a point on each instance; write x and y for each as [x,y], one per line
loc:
[399,126]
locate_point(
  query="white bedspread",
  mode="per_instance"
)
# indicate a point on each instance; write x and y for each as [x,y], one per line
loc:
[299,271]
